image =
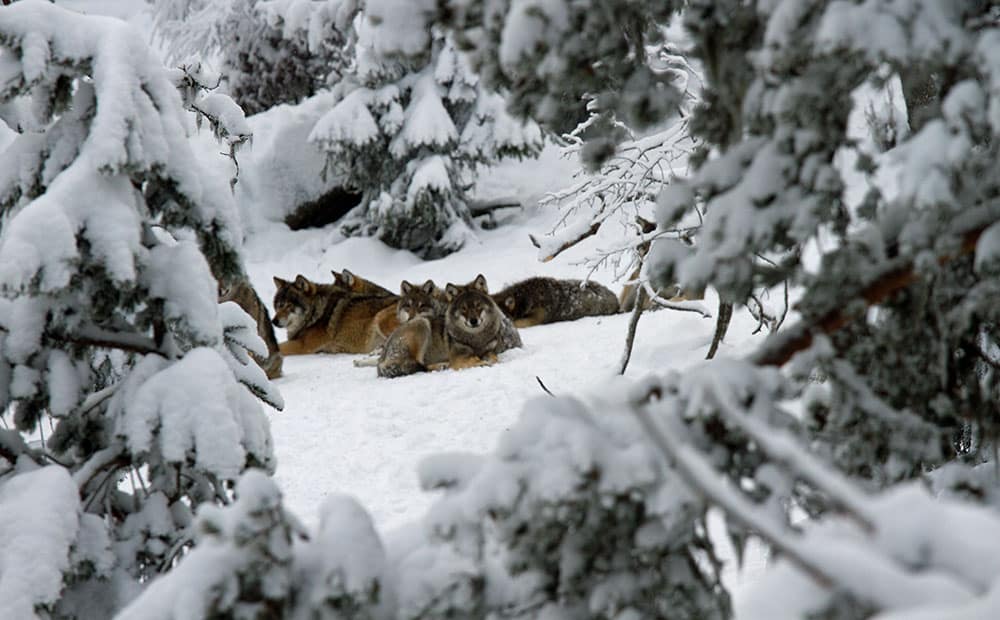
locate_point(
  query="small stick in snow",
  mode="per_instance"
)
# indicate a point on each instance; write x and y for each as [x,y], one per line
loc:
[545,389]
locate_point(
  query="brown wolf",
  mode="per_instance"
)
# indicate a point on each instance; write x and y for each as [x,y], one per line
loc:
[419,343]
[546,300]
[246,297]
[476,328]
[326,318]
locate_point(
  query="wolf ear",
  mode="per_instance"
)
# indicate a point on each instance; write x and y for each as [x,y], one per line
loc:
[348,278]
[480,283]
[450,291]
[280,283]
[336,276]
[428,287]
[304,285]
[405,287]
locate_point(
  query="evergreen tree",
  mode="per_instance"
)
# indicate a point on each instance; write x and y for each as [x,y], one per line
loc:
[279,51]
[410,125]
[113,350]
[270,51]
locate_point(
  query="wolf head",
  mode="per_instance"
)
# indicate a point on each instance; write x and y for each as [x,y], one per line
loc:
[297,304]
[425,300]
[508,303]
[470,308]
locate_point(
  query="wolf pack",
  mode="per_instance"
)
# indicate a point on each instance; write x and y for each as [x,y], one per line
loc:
[422,328]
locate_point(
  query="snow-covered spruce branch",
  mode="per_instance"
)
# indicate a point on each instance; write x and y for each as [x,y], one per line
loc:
[896,275]
[93,336]
[784,450]
[699,478]
[12,446]
[223,115]
[110,457]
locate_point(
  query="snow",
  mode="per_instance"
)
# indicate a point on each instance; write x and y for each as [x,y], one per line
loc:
[431,174]
[399,26]
[282,169]
[173,422]
[179,275]
[38,525]
[349,121]
[427,122]
[344,430]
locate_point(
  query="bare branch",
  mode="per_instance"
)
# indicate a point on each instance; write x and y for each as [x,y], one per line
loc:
[99,337]
[721,327]
[633,323]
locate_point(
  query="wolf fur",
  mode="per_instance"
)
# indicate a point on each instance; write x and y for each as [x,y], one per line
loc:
[476,328]
[419,343]
[358,285]
[241,291]
[327,318]
[536,301]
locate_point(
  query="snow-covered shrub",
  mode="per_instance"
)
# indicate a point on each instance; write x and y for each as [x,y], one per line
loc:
[410,123]
[113,350]
[575,516]
[252,559]
[241,566]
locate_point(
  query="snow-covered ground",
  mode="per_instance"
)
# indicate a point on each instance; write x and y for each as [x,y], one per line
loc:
[344,430]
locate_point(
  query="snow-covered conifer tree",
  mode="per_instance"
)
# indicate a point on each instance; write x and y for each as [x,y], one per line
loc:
[410,125]
[269,51]
[129,388]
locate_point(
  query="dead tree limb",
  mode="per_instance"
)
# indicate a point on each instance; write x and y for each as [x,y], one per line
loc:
[721,327]
[590,232]
[633,323]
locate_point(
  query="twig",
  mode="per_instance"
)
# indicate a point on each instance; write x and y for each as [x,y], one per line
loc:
[544,389]
[97,462]
[666,303]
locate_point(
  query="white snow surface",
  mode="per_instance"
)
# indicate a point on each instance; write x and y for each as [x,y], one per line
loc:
[40,522]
